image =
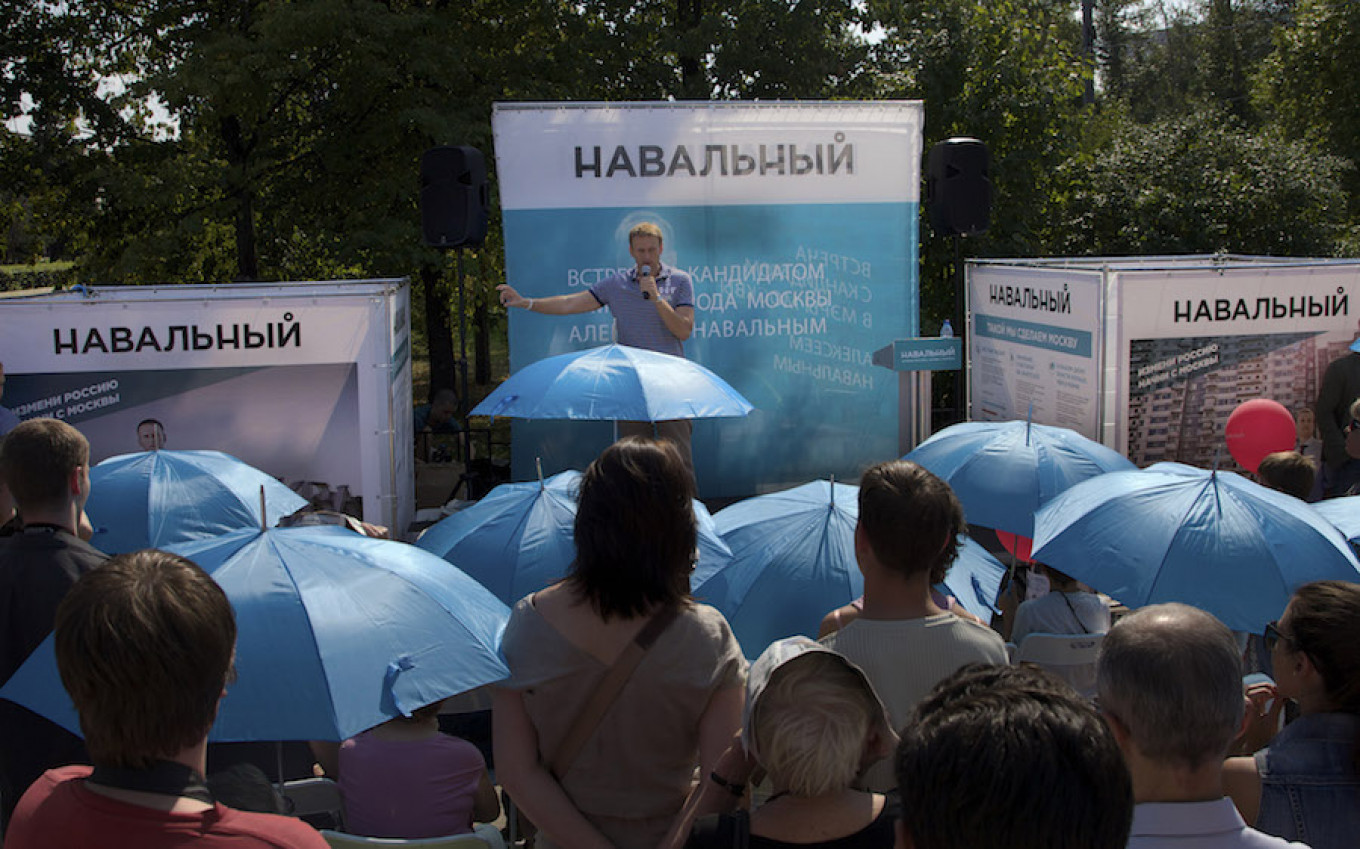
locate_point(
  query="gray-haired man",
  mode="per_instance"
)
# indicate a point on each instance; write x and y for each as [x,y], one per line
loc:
[1170,686]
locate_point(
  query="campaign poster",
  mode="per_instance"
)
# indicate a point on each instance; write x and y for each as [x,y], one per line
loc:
[308,382]
[1034,350]
[798,225]
[1198,342]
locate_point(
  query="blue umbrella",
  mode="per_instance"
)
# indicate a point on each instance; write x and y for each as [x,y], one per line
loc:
[974,579]
[1177,533]
[1003,472]
[336,633]
[521,537]
[793,561]
[1344,513]
[614,383]
[155,499]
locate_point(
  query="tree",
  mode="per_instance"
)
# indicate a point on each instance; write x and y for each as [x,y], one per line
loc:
[1158,60]
[1201,184]
[1311,83]
[1009,73]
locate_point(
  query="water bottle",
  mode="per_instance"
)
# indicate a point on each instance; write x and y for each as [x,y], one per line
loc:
[946,330]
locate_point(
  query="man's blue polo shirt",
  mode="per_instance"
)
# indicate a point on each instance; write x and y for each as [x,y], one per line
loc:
[636,321]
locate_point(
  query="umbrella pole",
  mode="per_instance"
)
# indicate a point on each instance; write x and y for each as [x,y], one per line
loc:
[278,763]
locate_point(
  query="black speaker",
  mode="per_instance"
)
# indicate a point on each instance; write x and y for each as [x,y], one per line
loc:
[454,196]
[959,187]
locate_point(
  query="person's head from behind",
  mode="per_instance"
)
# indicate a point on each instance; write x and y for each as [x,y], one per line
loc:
[150,435]
[46,465]
[427,715]
[635,529]
[909,519]
[1289,472]
[1321,627]
[1058,579]
[144,645]
[813,720]
[1170,684]
[1010,756]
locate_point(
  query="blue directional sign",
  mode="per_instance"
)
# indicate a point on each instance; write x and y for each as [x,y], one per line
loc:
[931,353]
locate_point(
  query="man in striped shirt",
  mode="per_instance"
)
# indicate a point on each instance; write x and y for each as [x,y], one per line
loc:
[653,308]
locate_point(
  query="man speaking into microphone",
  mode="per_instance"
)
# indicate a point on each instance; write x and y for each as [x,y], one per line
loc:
[653,308]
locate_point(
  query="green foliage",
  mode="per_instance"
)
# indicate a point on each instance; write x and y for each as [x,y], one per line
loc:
[1311,83]
[297,125]
[57,275]
[1159,61]
[1201,184]
[1007,73]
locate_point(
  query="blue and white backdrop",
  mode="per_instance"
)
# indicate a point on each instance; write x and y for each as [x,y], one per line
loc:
[798,223]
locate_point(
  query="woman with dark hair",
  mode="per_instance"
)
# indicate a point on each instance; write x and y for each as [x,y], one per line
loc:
[635,548]
[1306,785]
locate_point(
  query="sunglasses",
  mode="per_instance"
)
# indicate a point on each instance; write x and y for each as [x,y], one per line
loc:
[1273,636]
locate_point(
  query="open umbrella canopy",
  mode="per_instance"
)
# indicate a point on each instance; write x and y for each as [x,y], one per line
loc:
[793,561]
[614,383]
[156,499]
[1344,514]
[974,579]
[521,537]
[1003,472]
[1213,540]
[336,634]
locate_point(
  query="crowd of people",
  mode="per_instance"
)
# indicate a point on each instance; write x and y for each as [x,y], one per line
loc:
[631,717]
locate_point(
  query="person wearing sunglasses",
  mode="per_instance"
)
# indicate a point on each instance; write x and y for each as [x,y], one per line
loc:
[1306,785]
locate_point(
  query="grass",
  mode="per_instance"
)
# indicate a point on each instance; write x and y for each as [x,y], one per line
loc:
[37,266]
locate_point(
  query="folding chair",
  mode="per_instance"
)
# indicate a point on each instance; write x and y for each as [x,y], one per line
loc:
[315,797]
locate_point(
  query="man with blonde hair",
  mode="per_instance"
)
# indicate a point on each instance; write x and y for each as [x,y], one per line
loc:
[653,308]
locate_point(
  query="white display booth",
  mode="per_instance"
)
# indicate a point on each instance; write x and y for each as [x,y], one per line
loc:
[1150,355]
[308,382]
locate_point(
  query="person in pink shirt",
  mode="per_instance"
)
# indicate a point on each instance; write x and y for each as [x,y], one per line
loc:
[406,779]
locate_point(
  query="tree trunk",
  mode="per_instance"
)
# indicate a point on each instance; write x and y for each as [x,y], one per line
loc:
[238,155]
[689,15]
[438,334]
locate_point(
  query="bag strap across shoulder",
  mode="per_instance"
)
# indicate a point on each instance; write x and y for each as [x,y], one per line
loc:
[595,708]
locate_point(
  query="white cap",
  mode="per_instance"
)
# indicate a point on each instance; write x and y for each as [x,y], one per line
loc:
[781,652]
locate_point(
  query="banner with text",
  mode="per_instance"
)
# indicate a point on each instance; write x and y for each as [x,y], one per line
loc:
[798,224]
[1197,343]
[1034,347]
[308,382]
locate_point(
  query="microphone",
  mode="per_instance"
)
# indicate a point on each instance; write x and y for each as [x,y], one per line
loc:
[646,272]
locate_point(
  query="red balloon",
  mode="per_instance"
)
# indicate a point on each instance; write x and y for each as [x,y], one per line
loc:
[1021,547]
[1259,427]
